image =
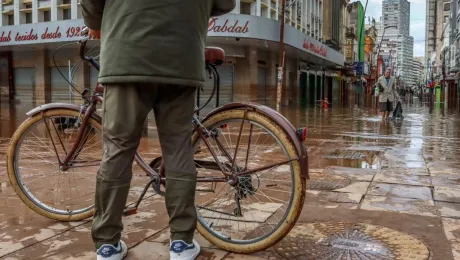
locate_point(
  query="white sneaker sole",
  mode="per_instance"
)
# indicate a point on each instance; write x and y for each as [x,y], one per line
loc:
[195,255]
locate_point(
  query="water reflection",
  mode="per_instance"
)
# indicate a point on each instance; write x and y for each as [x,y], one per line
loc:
[428,127]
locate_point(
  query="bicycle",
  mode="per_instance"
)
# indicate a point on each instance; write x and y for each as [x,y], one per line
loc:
[252,196]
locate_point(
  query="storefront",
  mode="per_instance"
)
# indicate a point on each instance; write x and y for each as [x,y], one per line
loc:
[249,74]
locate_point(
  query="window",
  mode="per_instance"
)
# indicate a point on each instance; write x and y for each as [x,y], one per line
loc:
[447,7]
[46,16]
[10,19]
[28,17]
[66,2]
[66,14]
[245,8]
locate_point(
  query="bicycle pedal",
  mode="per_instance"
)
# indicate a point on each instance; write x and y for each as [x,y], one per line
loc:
[129,211]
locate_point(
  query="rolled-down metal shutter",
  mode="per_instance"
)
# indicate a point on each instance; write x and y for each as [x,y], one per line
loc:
[225,90]
[24,84]
[60,91]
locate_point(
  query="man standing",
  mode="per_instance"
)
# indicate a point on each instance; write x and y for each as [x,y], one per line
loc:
[152,56]
[387,93]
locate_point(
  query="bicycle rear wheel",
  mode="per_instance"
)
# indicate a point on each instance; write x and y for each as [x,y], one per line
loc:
[263,207]
[34,170]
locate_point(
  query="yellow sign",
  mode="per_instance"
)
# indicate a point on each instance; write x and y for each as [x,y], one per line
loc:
[369,44]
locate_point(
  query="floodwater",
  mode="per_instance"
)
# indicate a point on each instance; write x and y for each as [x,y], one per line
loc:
[431,128]
[356,161]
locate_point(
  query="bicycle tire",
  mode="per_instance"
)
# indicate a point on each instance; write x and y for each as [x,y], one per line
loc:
[11,156]
[299,185]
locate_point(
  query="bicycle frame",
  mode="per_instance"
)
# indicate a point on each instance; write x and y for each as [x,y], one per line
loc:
[158,178]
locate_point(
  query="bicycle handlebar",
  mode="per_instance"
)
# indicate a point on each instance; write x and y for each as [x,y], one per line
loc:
[82,43]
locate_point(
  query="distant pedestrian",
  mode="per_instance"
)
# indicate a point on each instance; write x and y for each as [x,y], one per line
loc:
[325,103]
[387,91]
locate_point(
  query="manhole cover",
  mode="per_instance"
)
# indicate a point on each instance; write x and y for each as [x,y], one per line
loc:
[349,241]
[324,181]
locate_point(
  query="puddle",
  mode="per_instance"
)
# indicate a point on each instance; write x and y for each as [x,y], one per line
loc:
[354,158]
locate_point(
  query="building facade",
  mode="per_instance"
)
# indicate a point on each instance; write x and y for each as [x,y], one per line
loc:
[397,44]
[32,30]
[422,74]
[431,28]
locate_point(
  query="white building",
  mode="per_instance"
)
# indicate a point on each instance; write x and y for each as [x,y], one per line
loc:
[397,45]
[30,30]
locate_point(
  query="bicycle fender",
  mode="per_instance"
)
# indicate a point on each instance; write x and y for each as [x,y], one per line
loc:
[50,106]
[280,120]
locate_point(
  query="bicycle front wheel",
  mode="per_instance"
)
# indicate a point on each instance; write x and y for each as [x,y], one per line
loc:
[267,200]
[34,170]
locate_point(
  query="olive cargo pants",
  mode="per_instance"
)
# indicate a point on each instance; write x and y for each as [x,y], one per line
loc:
[125,109]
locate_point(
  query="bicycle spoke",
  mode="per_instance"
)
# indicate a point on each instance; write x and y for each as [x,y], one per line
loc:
[232,215]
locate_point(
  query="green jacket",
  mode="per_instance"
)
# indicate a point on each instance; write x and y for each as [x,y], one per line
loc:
[153,41]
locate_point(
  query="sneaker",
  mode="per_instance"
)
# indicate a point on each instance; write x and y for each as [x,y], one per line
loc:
[179,250]
[110,252]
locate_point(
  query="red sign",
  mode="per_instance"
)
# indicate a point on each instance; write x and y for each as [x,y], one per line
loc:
[316,48]
[227,26]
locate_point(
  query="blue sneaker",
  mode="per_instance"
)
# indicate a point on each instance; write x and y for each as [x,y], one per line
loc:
[110,252]
[179,250]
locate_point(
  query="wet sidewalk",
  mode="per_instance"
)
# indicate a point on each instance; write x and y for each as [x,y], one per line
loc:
[377,191]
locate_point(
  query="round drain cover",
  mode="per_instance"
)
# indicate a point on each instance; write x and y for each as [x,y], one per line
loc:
[324,181]
[344,240]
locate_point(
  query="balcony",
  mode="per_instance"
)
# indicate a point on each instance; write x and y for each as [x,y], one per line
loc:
[64,6]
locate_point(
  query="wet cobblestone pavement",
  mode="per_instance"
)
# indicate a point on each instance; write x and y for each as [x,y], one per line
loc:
[378,191]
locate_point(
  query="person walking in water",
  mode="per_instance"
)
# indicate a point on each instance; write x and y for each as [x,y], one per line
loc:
[152,57]
[387,93]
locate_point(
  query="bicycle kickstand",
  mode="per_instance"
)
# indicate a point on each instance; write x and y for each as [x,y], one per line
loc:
[131,210]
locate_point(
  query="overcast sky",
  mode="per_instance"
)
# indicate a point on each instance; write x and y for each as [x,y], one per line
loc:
[417,21]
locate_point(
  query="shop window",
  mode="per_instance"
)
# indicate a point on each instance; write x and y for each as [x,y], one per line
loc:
[66,15]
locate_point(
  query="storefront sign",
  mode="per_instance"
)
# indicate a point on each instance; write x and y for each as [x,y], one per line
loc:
[229,25]
[316,48]
[225,26]
[68,30]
